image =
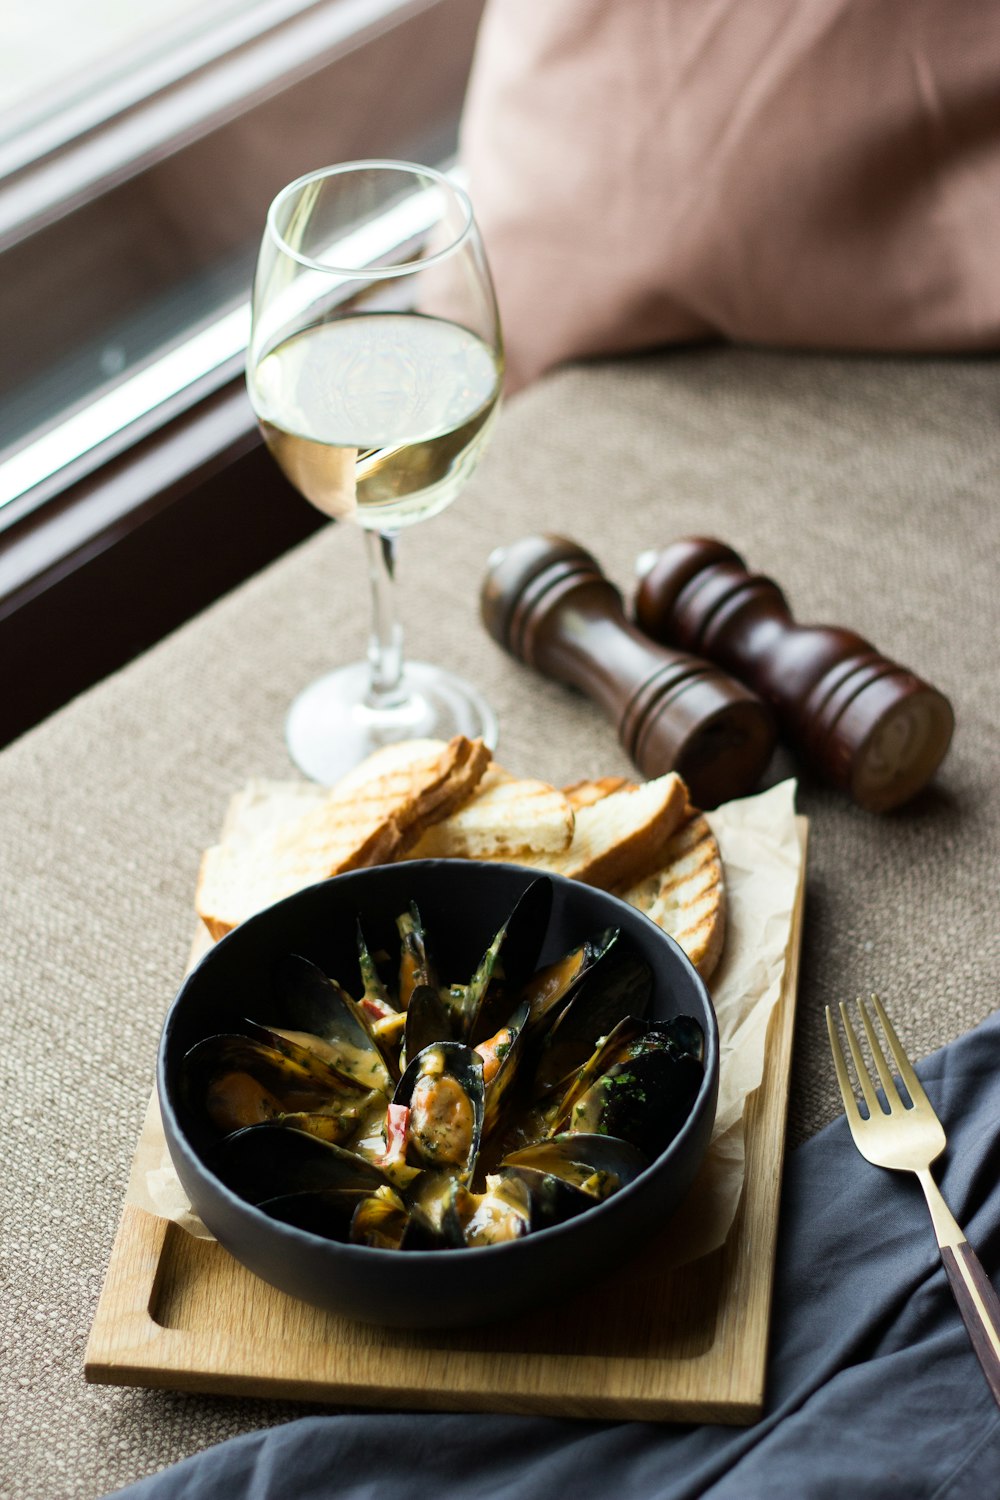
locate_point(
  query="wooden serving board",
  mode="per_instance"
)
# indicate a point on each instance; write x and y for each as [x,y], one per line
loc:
[687,1344]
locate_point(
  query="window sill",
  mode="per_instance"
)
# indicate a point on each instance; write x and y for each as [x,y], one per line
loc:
[93,579]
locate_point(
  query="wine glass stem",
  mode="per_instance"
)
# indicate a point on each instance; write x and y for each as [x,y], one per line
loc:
[385,644]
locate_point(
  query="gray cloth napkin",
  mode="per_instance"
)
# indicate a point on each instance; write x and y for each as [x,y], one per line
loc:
[873,1389]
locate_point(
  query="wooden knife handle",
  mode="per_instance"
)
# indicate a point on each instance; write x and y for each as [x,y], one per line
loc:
[546,601]
[979,1305]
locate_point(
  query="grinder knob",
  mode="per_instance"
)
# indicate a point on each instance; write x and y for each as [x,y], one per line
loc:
[547,602]
[868,725]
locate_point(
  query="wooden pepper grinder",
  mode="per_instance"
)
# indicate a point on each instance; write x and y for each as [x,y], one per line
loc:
[547,602]
[866,724]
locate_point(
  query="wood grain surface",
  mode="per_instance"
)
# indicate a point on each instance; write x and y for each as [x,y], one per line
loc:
[980,1308]
[684,1344]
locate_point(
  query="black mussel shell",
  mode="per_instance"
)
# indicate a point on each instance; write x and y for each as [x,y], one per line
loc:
[644,1099]
[444,1091]
[524,934]
[380,1221]
[616,987]
[507,964]
[501,1055]
[433,1222]
[494,1217]
[337,1129]
[628,1039]
[327,1213]
[237,1081]
[376,1001]
[552,1200]
[421,1233]
[550,989]
[567,1175]
[595,1164]
[269,1161]
[312,1006]
[358,1065]
[687,1036]
[429,1018]
[304,996]
[415,967]
[681,1037]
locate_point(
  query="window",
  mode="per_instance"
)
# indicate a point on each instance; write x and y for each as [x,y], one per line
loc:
[131,206]
[133,190]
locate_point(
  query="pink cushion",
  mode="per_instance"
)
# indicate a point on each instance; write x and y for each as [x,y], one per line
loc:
[796,173]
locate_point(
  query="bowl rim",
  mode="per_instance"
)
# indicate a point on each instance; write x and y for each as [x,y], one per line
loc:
[371,1255]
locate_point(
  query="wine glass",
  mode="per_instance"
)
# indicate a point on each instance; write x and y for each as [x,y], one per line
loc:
[374,368]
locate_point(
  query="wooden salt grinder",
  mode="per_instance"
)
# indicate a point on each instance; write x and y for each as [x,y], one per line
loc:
[546,601]
[866,724]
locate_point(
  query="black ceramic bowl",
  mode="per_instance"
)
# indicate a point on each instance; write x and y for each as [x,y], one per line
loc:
[462,905]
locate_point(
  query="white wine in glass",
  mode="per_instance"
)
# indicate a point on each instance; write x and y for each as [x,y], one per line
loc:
[375,369]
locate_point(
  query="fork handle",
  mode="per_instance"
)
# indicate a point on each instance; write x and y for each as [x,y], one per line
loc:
[977,1301]
[979,1305]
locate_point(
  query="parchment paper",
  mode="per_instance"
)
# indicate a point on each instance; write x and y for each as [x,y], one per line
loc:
[761,858]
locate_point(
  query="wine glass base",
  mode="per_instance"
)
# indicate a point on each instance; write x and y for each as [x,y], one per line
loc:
[330,726]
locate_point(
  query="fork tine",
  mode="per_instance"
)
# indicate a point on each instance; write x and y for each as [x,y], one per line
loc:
[864,1078]
[906,1073]
[843,1077]
[878,1056]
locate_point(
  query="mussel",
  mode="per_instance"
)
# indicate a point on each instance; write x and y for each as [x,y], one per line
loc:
[240,1081]
[501,1057]
[502,1212]
[494,989]
[549,989]
[380,1220]
[569,1174]
[253,1161]
[375,1003]
[418,1114]
[639,1086]
[319,1014]
[616,986]
[429,1018]
[443,1092]
[415,968]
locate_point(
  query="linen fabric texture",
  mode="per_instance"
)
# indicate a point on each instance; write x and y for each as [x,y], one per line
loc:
[804,174]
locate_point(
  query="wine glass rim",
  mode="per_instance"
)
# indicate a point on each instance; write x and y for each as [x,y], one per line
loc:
[399,268]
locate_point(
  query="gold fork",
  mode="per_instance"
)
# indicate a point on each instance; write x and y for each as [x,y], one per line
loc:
[907,1138]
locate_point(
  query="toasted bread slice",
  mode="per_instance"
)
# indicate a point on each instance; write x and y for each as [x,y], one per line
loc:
[505,817]
[621,837]
[264,804]
[586,793]
[353,826]
[687,897]
[395,757]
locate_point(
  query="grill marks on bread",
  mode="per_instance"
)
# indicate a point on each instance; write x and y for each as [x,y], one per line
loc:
[687,897]
[620,837]
[425,798]
[586,793]
[506,816]
[354,826]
